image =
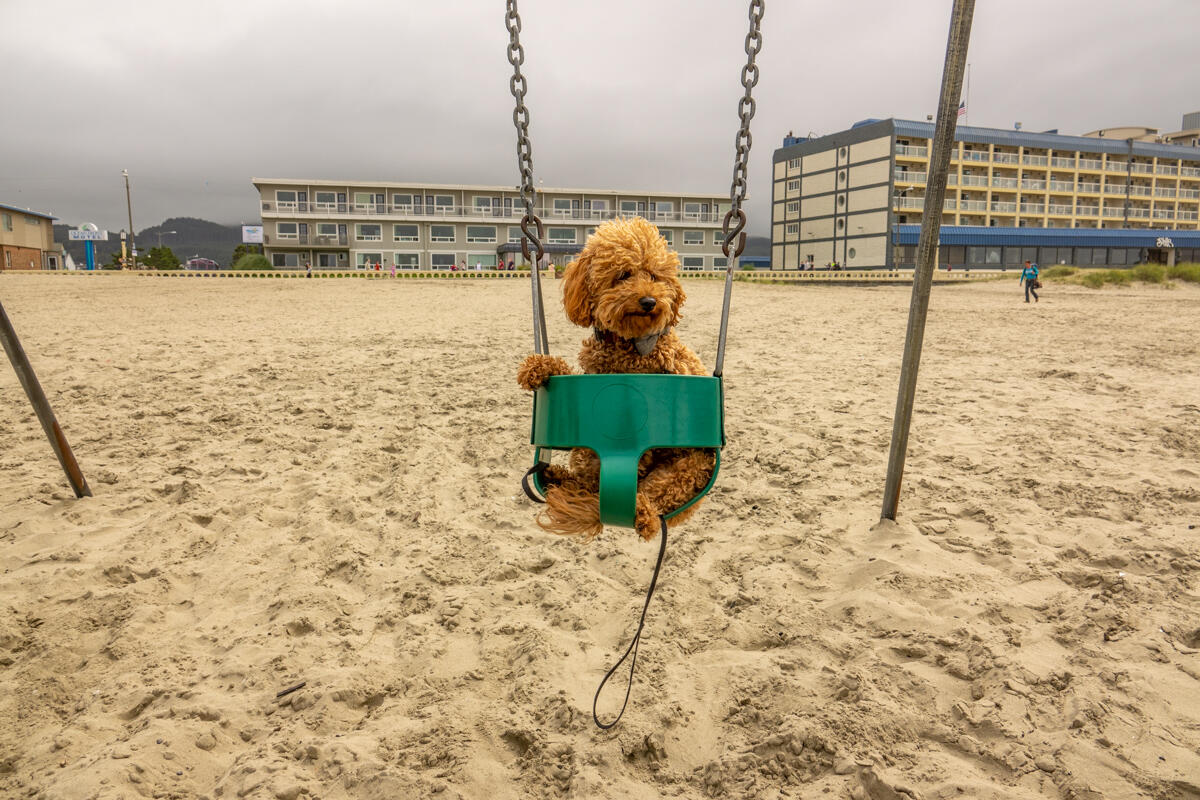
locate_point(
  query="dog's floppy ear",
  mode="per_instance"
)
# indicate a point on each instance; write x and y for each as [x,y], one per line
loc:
[577,291]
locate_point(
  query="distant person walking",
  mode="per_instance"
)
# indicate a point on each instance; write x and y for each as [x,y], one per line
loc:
[1029,276]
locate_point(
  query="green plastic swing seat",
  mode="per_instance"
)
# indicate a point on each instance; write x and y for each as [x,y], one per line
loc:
[620,417]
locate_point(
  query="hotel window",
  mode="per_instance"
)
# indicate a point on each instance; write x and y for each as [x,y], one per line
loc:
[368,260]
[365,232]
[406,260]
[404,233]
[793,163]
[285,199]
[793,185]
[720,262]
[7,222]
[691,210]
[669,236]
[328,260]
[590,231]
[693,237]
[562,207]
[481,234]
[793,207]
[327,229]
[561,236]
[514,234]
[444,203]
[285,230]
[483,204]
[793,228]
[441,260]
[664,207]
[629,206]
[693,262]
[285,259]
[402,200]
[33,221]
[718,238]
[326,198]
[441,233]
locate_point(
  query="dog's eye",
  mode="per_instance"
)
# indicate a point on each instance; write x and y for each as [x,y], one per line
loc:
[653,277]
[624,276]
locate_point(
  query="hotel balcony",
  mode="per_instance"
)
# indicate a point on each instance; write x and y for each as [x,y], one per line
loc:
[1059,161]
[1004,183]
[1089,163]
[912,151]
[910,176]
[1006,158]
[469,213]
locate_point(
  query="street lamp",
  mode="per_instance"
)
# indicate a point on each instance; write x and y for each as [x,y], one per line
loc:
[129,208]
[161,234]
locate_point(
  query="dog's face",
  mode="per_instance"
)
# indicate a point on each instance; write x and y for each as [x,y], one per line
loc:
[625,281]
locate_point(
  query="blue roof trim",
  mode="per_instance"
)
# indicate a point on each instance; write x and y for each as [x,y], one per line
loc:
[978,235]
[27,211]
[1053,141]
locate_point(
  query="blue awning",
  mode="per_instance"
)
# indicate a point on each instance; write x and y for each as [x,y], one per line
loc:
[978,235]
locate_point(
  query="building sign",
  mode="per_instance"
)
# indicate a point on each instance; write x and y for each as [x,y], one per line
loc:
[87,236]
[252,234]
[1164,241]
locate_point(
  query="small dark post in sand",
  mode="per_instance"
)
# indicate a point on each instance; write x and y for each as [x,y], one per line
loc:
[935,193]
[33,389]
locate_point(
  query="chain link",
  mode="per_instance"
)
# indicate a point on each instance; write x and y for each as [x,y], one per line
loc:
[518,86]
[735,221]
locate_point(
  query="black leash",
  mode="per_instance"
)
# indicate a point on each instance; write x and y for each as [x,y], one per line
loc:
[633,645]
[536,469]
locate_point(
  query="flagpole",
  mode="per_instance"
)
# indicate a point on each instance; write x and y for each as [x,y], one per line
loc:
[967,107]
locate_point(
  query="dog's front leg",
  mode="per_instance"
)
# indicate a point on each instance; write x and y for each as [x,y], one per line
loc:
[536,369]
[672,481]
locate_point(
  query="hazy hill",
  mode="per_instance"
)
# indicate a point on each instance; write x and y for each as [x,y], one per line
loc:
[192,237]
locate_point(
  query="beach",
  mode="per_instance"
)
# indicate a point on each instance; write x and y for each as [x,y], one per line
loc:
[317,482]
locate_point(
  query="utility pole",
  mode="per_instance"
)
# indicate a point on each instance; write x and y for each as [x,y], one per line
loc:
[129,207]
[931,222]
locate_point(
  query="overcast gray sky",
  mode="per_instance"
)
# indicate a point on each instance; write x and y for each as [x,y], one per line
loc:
[195,98]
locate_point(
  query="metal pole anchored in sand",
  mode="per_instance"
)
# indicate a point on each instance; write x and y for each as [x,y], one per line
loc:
[33,389]
[931,222]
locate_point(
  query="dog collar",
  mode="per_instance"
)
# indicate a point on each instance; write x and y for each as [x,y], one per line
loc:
[643,344]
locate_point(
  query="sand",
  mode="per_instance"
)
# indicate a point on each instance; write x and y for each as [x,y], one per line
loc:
[317,481]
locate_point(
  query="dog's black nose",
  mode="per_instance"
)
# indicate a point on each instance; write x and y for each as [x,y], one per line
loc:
[647,303]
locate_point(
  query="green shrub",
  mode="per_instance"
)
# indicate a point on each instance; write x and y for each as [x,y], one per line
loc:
[1150,273]
[1185,272]
[253,261]
[1118,277]
[1093,280]
[1058,273]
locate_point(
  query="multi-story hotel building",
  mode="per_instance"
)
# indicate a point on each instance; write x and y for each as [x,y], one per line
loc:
[27,240]
[857,197]
[336,224]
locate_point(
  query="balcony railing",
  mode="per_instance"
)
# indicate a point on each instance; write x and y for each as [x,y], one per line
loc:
[1185,214]
[973,205]
[1140,213]
[909,202]
[974,180]
[1114,212]
[974,155]
[1164,213]
[1087,211]
[1062,186]
[1090,163]
[1004,183]
[1114,188]
[1036,185]
[910,176]
[1189,193]
[1145,169]
[1142,191]
[1115,166]
[547,213]
[1033,208]
[1061,210]
[1190,172]
[1088,187]
[1035,161]
[1163,169]
[1004,208]
[1006,158]
[912,150]
[1059,161]
[1164,192]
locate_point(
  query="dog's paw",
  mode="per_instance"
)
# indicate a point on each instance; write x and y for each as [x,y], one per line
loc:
[647,520]
[536,369]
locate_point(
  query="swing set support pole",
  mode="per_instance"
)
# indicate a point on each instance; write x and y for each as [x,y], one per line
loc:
[935,193]
[33,390]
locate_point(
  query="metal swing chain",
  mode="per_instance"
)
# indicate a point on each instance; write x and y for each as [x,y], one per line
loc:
[734,224]
[532,229]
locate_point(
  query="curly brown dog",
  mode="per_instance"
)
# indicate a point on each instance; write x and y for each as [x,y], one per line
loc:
[625,285]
